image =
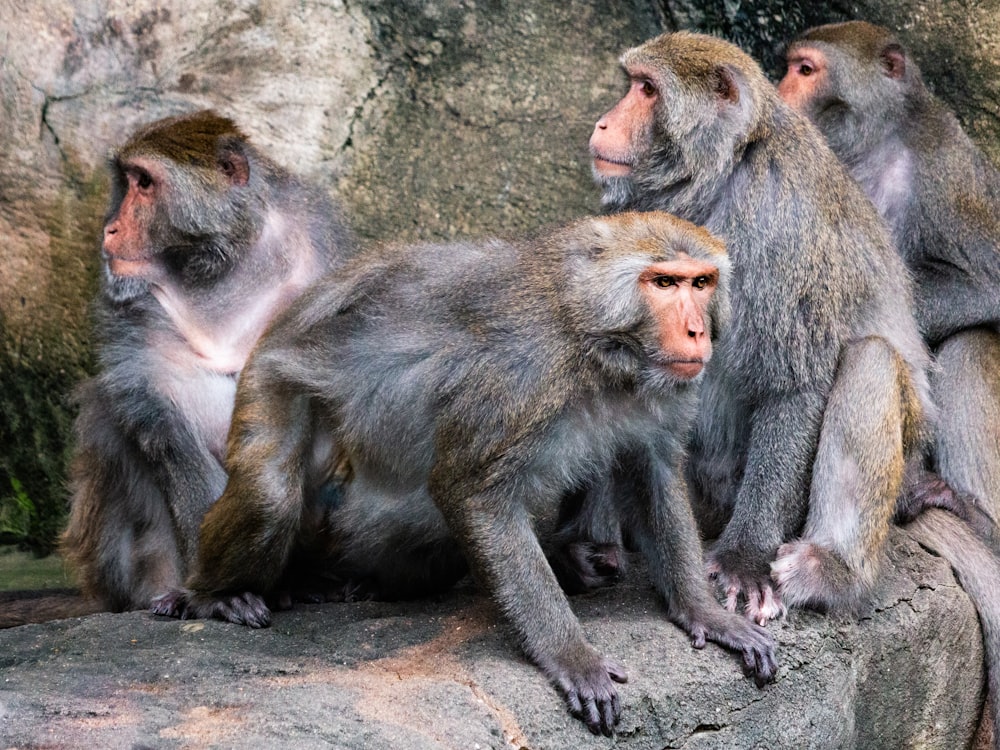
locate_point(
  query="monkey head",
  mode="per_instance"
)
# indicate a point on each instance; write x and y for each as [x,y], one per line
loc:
[689,106]
[648,296]
[182,204]
[852,80]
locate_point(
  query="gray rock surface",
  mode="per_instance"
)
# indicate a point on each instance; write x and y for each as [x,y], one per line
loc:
[445,673]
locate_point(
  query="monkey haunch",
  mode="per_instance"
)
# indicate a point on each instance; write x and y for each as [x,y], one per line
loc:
[469,388]
[817,392]
[205,241]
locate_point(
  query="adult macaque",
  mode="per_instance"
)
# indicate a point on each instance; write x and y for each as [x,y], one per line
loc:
[461,392]
[941,199]
[817,394]
[206,240]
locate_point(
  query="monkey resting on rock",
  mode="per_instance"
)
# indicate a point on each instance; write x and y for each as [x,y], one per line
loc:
[205,241]
[468,388]
[818,391]
[941,200]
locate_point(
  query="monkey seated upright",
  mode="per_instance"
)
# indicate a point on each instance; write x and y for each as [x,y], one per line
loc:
[468,389]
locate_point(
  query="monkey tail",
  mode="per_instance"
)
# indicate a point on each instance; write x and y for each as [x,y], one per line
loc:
[978,572]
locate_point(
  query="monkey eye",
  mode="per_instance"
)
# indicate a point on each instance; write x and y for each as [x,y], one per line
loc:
[664,282]
[806,69]
[647,88]
[701,282]
[144,180]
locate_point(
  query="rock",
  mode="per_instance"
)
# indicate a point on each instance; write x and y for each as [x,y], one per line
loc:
[446,673]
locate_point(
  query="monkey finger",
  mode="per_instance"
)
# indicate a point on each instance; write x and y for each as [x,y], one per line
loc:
[610,714]
[592,717]
[616,671]
[732,597]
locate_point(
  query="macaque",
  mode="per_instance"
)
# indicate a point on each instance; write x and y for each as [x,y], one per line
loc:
[941,200]
[426,410]
[206,240]
[818,392]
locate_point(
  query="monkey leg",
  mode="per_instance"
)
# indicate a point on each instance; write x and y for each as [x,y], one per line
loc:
[248,536]
[857,475]
[586,551]
[966,389]
[120,537]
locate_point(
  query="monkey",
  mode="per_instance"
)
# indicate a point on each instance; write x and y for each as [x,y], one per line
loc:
[940,197]
[469,388]
[206,239]
[818,393]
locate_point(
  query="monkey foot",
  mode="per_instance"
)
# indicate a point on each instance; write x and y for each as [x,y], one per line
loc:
[762,603]
[583,566]
[810,574]
[242,609]
[586,683]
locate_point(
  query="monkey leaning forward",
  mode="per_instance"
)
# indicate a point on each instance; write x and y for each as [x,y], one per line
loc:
[205,241]
[453,396]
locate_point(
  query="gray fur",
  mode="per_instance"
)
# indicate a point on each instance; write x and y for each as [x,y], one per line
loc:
[151,432]
[469,388]
[815,281]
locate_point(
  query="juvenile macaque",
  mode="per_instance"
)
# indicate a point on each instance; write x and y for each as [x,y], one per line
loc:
[205,241]
[452,396]
[818,391]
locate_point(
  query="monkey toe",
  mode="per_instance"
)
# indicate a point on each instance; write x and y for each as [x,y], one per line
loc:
[589,691]
[171,604]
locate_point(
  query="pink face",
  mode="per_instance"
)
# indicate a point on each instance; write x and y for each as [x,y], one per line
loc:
[616,135]
[126,243]
[806,74]
[678,293]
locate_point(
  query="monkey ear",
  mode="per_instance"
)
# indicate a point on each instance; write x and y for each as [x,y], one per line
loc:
[726,86]
[233,163]
[894,61]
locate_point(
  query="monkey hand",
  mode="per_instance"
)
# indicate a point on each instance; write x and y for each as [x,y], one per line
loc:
[754,585]
[243,609]
[585,680]
[736,633]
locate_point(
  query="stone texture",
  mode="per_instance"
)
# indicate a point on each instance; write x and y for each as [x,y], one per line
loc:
[443,673]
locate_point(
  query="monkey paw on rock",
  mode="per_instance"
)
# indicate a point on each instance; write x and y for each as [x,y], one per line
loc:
[246,608]
[586,681]
[762,601]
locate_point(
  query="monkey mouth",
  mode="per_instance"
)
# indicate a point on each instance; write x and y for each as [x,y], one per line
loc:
[609,167]
[119,266]
[685,369]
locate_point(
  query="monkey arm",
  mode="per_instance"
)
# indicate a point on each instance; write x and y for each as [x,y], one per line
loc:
[954,253]
[950,300]
[773,497]
[500,544]
[666,532]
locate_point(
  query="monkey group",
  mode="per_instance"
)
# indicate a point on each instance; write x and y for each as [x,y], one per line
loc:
[782,338]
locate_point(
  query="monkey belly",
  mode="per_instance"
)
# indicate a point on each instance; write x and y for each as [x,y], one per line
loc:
[389,545]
